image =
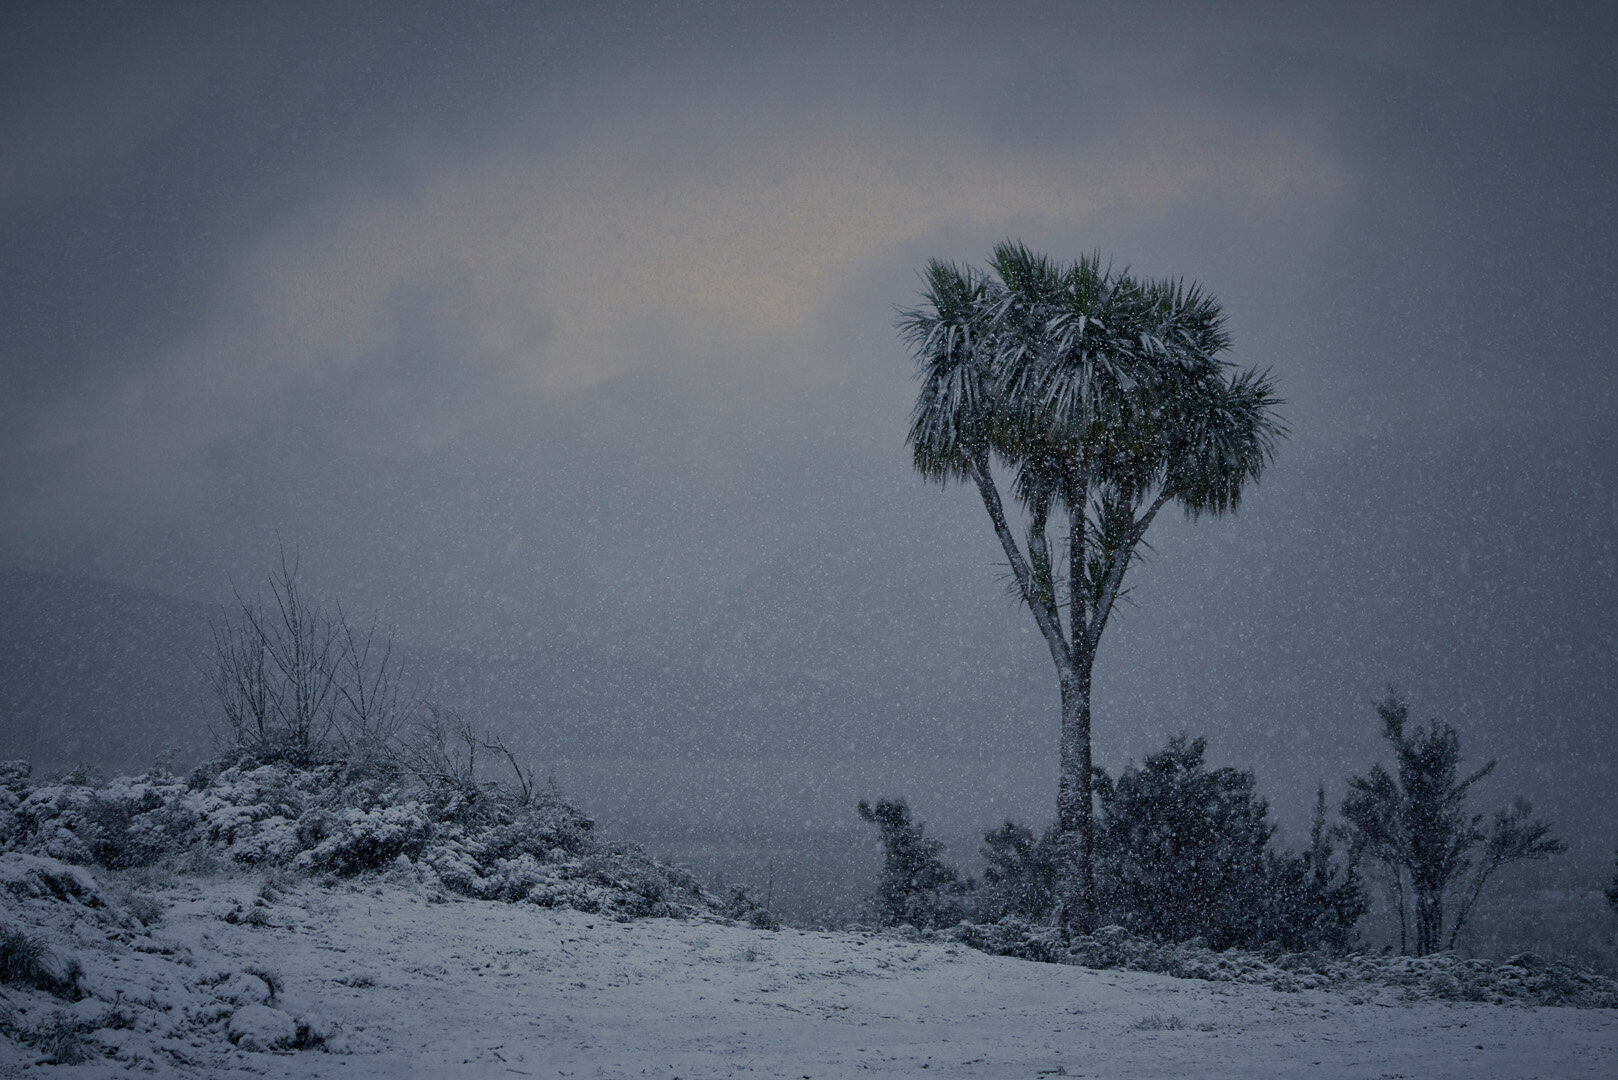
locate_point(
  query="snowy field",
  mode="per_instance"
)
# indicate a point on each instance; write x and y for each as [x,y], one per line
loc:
[390,980]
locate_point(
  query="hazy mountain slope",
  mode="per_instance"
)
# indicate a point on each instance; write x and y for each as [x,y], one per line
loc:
[97,673]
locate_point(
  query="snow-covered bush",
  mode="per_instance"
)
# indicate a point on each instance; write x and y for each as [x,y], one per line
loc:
[1012,937]
[742,904]
[548,828]
[1522,980]
[357,840]
[526,846]
[132,822]
[618,880]
[26,876]
[13,786]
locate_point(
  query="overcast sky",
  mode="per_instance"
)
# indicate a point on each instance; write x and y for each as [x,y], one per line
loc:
[533,325]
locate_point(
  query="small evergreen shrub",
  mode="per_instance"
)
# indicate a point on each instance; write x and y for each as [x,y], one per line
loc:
[916,888]
[742,904]
[1181,848]
[1019,876]
[1012,937]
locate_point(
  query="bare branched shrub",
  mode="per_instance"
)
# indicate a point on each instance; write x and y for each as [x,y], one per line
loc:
[444,754]
[298,684]
[374,707]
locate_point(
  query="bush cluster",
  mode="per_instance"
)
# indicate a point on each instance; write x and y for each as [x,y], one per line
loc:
[334,768]
[341,820]
[1182,851]
[1525,979]
[741,903]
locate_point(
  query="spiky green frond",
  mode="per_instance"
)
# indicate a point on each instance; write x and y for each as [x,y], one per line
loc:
[949,336]
[1223,434]
[1109,536]
[1071,384]
[1182,324]
[1045,364]
[1027,293]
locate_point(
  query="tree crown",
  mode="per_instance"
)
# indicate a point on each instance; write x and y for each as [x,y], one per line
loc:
[1082,378]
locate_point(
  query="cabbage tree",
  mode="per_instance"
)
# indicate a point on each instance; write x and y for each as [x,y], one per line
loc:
[1103,397]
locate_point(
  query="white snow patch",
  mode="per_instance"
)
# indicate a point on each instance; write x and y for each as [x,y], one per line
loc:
[259,1027]
[39,877]
[383,978]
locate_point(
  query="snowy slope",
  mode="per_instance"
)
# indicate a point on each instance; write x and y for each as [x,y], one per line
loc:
[403,983]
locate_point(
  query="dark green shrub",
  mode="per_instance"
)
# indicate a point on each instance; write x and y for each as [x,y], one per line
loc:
[1181,848]
[916,887]
[1311,901]
[1019,876]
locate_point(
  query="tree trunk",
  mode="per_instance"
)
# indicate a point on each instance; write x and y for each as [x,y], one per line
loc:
[1075,821]
[1429,920]
[1404,917]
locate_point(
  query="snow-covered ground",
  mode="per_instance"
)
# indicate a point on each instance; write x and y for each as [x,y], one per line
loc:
[400,982]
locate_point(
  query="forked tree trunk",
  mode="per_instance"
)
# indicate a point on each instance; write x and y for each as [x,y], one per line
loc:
[1074,658]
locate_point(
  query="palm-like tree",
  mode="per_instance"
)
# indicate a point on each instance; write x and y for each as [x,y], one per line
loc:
[1106,397]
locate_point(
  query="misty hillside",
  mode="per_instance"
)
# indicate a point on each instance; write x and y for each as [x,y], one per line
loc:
[332,920]
[380,980]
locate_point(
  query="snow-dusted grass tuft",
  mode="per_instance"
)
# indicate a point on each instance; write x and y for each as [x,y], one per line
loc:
[144,907]
[61,1039]
[21,958]
[30,962]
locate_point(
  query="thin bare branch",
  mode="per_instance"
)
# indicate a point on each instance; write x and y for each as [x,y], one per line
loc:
[1044,614]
